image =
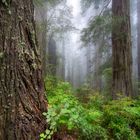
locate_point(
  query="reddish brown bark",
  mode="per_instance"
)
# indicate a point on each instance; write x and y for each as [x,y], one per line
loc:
[21,83]
[122,51]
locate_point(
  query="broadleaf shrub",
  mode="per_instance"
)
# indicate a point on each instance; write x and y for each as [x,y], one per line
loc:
[97,119]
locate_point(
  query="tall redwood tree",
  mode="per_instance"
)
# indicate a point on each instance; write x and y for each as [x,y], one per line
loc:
[21,83]
[122,50]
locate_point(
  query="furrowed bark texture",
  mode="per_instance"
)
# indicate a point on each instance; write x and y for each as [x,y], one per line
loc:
[122,53]
[21,84]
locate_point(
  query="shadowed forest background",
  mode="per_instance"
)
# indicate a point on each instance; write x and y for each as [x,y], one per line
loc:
[70,70]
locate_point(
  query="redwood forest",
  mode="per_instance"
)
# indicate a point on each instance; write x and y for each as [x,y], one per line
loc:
[69,69]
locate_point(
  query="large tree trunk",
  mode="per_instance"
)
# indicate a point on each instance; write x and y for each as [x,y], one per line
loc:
[21,83]
[138,38]
[122,53]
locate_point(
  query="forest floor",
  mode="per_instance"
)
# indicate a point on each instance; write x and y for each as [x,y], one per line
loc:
[88,115]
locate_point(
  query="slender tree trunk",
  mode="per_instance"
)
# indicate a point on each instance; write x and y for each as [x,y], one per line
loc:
[138,38]
[63,59]
[97,76]
[122,51]
[52,58]
[21,83]
[44,48]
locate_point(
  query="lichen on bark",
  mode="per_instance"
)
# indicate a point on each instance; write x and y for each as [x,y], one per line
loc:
[21,84]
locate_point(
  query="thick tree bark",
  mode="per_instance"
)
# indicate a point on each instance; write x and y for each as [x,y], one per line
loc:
[122,53]
[138,38]
[21,83]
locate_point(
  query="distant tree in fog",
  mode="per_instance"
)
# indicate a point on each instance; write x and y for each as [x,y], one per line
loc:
[138,37]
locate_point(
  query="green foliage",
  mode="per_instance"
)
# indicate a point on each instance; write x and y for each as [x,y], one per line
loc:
[121,119]
[65,111]
[96,101]
[107,76]
[88,3]
[92,32]
[51,83]
[92,120]
[83,93]
[50,2]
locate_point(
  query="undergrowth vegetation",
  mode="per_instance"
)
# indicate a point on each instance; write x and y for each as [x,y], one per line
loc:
[95,119]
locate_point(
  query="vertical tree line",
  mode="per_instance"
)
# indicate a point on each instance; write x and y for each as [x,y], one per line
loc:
[115,25]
